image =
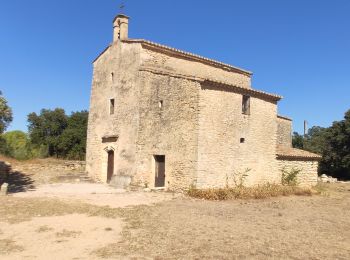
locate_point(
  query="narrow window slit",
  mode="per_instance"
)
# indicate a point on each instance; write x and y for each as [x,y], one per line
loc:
[111,106]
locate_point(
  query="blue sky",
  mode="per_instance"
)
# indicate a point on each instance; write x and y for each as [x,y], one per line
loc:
[298,49]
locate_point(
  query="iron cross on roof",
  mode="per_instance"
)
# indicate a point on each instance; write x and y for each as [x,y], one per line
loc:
[121,7]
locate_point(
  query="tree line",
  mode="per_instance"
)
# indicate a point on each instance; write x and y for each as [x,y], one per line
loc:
[333,143]
[51,133]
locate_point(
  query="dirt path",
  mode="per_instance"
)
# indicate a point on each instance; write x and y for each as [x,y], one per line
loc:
[96,194]
[59,237]
[66,221]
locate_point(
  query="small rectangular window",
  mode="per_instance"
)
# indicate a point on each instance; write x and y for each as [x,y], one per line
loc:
[111,106]
[246,105]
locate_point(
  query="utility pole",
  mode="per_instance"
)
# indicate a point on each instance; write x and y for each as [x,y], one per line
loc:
[305,128]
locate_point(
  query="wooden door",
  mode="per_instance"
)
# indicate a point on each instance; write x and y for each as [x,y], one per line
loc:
[159,171]
[110,167]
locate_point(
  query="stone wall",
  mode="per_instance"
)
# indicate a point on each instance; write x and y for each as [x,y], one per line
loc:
[193,68]
[284,131]
[168,129]
[115,77]
[308,174]
[221,153]
[49,165]
[4,171]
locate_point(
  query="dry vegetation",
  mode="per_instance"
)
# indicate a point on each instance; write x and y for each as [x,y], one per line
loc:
[257,192]
[316,227]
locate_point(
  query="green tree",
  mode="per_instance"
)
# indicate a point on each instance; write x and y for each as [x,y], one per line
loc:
[5,114]
[316,139]
[72,142]
[336,153]
[297,140]
[46,128]
[17,145]
[333,143]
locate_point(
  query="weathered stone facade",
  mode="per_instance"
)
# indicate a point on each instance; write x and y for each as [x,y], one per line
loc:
[149,100]
[4,171]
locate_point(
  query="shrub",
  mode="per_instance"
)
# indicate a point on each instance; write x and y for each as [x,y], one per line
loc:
[256,192]
[290,177]
[237,177]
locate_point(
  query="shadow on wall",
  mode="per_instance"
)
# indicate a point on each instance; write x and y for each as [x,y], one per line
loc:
[18,181]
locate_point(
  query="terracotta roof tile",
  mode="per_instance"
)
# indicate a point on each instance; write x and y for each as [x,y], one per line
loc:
[293,153]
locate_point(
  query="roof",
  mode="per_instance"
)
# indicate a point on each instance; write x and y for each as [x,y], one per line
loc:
[290,153]
[121,16]
[284,117]
[183,54]
[248,91]
[188,55]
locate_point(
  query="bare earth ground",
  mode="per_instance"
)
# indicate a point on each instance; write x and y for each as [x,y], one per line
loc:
[93,221]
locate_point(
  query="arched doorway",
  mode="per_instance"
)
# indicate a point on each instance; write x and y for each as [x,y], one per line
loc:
[110,165]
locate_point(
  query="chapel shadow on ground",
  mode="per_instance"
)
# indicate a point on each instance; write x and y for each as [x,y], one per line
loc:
[19,182]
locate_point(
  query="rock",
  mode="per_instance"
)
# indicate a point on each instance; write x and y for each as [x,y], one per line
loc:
[327,179]
[3,190]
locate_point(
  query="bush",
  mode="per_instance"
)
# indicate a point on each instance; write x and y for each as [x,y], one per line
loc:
[15,144]
[290,177]
[257,192]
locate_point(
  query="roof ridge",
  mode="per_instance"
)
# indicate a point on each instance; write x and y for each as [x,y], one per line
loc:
[212,81]
[291,152]
[249,90]
[189,54]
[284,117]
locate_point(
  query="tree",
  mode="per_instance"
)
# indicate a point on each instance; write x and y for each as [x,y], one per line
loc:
[297,140]
[333,143]
[5,114]
[336,152]
[45,129]
[63,136]
[17,145]
[315,140]
[72,142]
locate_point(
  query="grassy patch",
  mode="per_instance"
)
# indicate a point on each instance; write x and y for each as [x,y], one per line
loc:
[256,192]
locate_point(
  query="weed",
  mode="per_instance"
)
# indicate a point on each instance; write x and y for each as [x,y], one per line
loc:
[290,177]
[238,178]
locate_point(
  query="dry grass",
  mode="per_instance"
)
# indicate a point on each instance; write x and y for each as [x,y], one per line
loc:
[68,233]
[15,210]
[257,192]
[43,229]
[315,227]
[8,246]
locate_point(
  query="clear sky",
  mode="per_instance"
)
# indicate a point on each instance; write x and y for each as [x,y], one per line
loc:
[296,48]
